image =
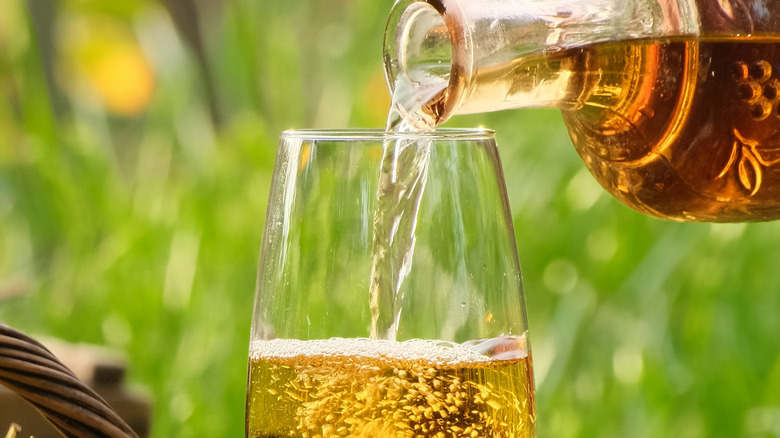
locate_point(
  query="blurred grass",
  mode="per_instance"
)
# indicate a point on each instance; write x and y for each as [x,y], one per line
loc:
[134,171]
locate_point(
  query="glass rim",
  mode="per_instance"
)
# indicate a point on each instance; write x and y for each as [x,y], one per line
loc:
[356,134]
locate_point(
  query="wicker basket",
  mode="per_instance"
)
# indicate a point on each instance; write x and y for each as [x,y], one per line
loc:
[35,374]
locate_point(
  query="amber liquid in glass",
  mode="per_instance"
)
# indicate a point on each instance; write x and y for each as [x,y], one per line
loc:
[368,388]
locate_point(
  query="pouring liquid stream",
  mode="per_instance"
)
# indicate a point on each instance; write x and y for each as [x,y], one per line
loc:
[402,179]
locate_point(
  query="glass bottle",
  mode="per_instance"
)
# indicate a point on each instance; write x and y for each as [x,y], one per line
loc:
[671,104]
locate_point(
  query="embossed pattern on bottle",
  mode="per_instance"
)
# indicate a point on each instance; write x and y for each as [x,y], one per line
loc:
[681,129]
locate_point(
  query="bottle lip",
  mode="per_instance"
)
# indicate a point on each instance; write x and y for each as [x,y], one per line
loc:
[378,134]
[461,44]
[461,72]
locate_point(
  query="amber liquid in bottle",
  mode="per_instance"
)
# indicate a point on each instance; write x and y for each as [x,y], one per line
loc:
[681,129]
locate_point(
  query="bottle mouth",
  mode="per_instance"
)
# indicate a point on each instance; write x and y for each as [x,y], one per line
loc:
[424,39]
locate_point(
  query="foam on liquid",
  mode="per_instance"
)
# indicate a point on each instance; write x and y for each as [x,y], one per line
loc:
[431,351]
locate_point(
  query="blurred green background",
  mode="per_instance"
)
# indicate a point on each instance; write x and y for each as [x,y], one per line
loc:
[137,140]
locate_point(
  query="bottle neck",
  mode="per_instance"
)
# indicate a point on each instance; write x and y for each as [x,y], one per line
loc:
[491,53]
[427,43]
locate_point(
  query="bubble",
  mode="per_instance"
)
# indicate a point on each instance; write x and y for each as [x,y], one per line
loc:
[739,71]
[760,71]
[761,110]
[770,90]
[749,91]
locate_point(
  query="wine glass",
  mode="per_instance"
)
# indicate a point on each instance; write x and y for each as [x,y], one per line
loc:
[389,300]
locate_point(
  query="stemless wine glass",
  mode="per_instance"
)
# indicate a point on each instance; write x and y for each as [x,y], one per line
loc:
[389,300]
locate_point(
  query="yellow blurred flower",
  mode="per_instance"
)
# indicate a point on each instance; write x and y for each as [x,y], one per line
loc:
[102,54]
[123,79]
